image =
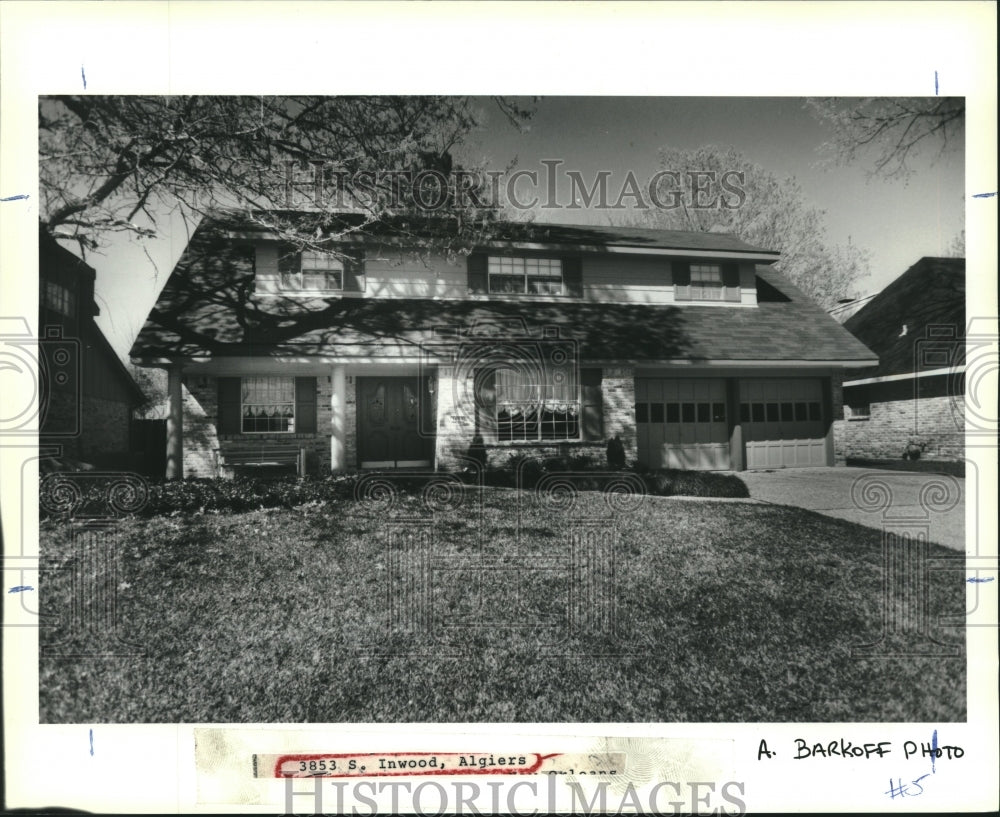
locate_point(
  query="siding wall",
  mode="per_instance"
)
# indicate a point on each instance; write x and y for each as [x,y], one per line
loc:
[614,278]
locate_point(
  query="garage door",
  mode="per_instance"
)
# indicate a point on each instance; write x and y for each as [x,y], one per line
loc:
[783,422]
[681,423]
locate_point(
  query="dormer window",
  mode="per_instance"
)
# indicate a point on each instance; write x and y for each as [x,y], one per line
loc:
[706,282]
[701,281]
[525,275]
[318,272]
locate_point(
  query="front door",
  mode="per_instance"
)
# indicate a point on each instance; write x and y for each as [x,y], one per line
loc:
[389,423]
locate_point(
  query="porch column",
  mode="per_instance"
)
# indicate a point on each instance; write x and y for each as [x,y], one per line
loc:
[175,424]
[338,419]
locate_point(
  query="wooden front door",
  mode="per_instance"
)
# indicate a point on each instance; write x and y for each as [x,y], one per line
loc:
[389,423]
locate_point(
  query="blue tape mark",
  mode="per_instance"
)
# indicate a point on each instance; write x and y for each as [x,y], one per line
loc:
[16,198]
[934,751]
[935,83]
[984,195]
[977,580]
[91,742]
[20,588]
[83,75]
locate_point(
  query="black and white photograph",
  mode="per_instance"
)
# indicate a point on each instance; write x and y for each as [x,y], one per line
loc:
[641,414]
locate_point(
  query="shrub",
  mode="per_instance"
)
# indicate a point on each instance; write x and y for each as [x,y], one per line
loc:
[673,482]
[194,495]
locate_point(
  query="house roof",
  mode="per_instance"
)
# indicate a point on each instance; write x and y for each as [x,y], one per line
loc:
[207,309]
[929,301]
[584,236]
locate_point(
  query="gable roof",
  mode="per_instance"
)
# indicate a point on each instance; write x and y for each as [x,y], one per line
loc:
[207,309]
[929,300]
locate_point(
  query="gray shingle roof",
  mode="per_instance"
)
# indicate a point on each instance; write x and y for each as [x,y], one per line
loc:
[511,231]
[929,299]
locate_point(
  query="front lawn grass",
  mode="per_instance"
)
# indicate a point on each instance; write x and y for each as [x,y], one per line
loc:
[495,609]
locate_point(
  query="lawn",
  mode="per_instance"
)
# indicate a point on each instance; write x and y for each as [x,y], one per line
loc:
[493,608]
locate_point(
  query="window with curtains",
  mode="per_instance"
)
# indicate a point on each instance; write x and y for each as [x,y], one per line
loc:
[318,272]
[525,275]
[268,404]
[706,282]
[532,407]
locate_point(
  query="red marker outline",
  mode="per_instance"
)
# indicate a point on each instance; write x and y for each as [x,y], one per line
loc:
[282,759]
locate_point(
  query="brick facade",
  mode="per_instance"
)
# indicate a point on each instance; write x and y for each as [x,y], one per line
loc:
[933,423]
[202,440]
[456,423]
[618,395]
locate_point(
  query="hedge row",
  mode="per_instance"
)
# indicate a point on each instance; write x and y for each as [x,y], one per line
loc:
[79,496]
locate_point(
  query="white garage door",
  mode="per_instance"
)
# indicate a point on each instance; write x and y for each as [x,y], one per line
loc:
[783,422]
[681,423]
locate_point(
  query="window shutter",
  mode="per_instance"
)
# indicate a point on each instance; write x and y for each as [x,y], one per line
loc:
[573,276]
[682,280]
[230,408]
[485,390]
[354,270]
[592,404]
[731,281]
[305,405]
[478,278]
[289,260]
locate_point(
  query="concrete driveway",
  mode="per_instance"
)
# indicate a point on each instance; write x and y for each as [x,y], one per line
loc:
[869,497]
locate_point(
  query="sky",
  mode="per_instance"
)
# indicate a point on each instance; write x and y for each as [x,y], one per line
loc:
[897,222]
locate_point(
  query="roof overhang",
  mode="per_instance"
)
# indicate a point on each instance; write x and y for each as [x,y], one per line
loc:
[757,257]
[891,378]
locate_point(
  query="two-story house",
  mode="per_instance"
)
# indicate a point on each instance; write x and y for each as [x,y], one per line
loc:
[88,394]
[687,347]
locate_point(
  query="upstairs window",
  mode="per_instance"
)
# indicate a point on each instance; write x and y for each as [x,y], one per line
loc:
[317,272]
[60,298]
[525,275]
[706,282]
[268,404]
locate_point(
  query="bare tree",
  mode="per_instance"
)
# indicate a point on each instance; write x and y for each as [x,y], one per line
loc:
[888,132]
[718,189]
[119,164]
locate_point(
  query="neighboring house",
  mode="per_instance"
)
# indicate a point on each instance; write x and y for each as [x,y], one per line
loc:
[915,396]
[88,394]
[548,339]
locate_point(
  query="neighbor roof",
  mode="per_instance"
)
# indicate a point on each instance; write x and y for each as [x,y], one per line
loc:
[929,300]
[207,309]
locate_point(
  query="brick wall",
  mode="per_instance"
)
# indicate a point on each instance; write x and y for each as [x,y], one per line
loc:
[618,393]
[930,422]
[456,419]
[456,425]
[201,437]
